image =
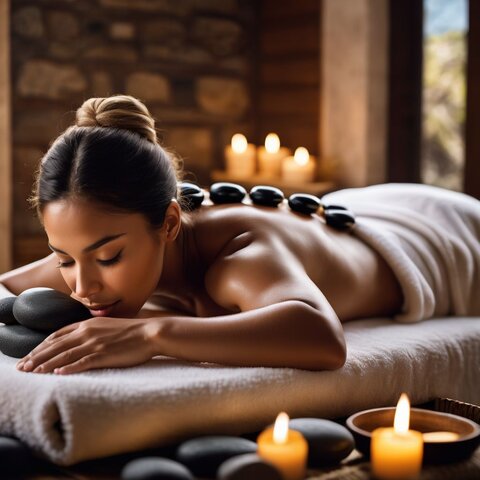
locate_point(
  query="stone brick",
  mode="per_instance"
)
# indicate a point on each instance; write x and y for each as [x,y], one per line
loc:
[222,96]
[219,36]
[193,144]
[101,84]
[183,55]
[122,31]
[62,25]
[39,78]
[117,53]
[28,22]
[166,31]
[148,87]
[63,50]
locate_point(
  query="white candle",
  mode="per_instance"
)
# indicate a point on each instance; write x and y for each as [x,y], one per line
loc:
[270,156]
[300,168]
[240,157]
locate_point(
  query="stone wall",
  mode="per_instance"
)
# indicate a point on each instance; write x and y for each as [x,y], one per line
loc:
[191,61]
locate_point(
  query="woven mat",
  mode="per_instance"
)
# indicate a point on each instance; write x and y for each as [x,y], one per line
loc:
[360,470]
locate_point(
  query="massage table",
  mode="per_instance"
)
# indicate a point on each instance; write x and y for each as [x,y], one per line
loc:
[69,419]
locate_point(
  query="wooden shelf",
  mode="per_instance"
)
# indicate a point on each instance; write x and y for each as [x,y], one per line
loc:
[314,188]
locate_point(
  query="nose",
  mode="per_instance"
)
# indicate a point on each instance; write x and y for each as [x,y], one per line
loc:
[87,283]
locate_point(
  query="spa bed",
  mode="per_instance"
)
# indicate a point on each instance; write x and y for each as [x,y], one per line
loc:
[68,419]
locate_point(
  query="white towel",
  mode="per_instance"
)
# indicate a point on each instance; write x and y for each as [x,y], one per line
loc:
[429,236]
[68,419]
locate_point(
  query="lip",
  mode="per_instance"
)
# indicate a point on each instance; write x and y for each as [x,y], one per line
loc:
[102,310]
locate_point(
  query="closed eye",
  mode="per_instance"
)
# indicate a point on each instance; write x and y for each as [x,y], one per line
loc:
[111,261]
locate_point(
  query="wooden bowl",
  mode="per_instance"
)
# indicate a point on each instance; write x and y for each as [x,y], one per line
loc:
[362,424]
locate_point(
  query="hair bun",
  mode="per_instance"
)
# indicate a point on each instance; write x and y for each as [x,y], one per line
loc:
[118,111]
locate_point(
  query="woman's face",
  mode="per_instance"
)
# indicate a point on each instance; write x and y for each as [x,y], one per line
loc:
[112,262]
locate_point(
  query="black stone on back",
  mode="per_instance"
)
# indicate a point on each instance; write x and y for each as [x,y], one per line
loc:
[47,310]
[17,341]
[192,195]
[266,196]
[224,192]
[339,219]
[304,203]
[16,459]
[6,311]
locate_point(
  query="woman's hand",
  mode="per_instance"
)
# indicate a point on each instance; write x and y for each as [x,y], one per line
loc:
[100,342]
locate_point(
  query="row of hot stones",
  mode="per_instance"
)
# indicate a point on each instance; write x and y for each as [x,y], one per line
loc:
[211,457]
[336,216]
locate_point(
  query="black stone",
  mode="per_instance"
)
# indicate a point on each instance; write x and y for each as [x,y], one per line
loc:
[266,196]
[155,468]
[328,442]
[339,219]
[304,203]
[203,455]
[334,207]
[17,341]
[192,195]
[47,310]
[248,467]
[6,311]
[16,459]
[223,192]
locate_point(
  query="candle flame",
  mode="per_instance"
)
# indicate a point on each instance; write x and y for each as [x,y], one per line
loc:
[280,429]
[272,143]
[239,143]
[402,415]
[301,156]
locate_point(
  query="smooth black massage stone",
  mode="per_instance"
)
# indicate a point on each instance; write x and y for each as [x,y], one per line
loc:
[339,219]
[224,192]
[266,196]
[304,203]
[192,195]
[17,341]
[47,310]
[16,458]
[328,442]
[6,311]
[247,467]
[334,207]
[203,455]
[155,468]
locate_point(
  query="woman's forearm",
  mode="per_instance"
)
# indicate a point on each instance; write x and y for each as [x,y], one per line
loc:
[287,334]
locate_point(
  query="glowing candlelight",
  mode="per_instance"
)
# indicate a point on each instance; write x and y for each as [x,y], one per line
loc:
[270,156]
[300,168]
[240,157]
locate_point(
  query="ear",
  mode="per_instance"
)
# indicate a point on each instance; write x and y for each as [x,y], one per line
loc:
[172,223]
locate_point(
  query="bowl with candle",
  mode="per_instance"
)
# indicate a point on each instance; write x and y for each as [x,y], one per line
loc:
[446,437]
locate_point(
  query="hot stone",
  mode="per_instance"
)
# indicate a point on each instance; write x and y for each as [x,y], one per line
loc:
[6,311]
[266,196]
[304,203]
[224,192]
[155,468]
[328,442]
[47,310]
[192,194]
[16,459]
[17,341]
[339,219]
[204,455]
[247,467]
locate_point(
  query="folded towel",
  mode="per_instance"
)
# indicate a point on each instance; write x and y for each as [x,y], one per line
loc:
[429,236]
[94,414]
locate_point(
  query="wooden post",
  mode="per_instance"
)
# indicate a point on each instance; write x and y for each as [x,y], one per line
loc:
[5,141]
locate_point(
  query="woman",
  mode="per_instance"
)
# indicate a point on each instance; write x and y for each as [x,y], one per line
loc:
[232,284]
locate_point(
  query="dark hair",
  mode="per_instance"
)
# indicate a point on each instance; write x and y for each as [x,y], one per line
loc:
[120,168]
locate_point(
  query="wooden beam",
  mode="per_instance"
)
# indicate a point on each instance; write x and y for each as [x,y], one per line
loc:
[472,129]
[5,141]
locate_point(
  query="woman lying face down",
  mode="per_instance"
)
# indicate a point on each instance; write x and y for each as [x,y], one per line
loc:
[232,284]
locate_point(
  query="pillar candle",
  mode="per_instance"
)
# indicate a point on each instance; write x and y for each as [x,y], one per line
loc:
[284,448]
[240,157]
[270,156]
[300,168]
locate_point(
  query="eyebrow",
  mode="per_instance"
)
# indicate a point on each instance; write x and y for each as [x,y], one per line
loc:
[93,246]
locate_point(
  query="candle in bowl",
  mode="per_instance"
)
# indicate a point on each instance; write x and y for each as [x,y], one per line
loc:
[270,156]
[396,453]
[284,448]
[300,168]
[240,157]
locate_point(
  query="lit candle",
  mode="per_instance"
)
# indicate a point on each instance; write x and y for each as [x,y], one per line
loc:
[300,168]
[270,156]
[286,449]
[396,453]
[240,157]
